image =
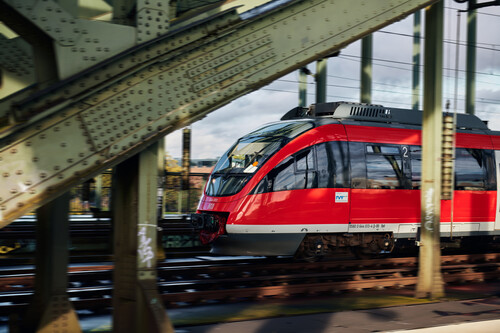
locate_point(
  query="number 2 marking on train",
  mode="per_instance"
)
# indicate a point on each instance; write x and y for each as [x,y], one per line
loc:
[405,151]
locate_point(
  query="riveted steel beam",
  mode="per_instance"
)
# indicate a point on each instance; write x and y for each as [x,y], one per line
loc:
[16,59]
[99,117]
[152,19]
[50,309]
[78,43]
[137,306]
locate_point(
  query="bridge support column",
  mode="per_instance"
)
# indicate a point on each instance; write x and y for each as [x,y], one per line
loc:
[186,167]
[303,72]
[160,252]
[366,69]
[430,281]
[50,309]
[470,72]
[321,74]
[137,306]
[416,61]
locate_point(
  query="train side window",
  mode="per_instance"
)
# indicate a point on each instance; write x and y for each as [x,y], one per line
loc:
[325,165]
[470,170]
[332,164]
[384,167]
[474,169]
[358,164]
[416,166]
[341,159]
[491,182]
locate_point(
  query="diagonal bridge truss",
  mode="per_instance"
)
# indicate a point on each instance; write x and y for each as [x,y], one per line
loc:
[104,91]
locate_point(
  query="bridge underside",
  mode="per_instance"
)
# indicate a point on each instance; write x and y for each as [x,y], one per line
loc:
[98,92]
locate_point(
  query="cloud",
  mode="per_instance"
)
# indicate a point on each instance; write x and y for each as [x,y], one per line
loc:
[214,134]
[391,83]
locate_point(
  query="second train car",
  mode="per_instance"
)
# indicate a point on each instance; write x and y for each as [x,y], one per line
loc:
[343,175]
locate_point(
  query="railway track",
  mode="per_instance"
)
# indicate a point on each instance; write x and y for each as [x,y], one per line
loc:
[185,283]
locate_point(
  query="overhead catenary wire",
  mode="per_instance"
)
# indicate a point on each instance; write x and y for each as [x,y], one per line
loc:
[375,100]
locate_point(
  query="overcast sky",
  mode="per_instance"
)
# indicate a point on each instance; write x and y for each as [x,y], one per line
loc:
[391,86]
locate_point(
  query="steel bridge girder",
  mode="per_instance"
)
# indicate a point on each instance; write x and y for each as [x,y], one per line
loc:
[115,110]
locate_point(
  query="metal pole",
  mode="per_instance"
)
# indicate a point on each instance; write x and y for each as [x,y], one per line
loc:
[303,86]
[470,74]
[366,69]
[416,61]
[321,72]
[186,161]
[161,164]
[161,177]
[50,308]
[430,282]
[98,193]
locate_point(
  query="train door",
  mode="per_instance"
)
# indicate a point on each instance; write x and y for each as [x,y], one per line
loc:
[497,162]
[382,194]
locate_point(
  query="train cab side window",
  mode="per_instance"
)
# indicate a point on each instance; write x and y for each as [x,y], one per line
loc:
[384,167]
[282,178]
[305,174]
[304,160]
[470,169]
[294,173]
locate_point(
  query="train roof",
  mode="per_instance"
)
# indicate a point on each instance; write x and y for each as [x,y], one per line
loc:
[374,113]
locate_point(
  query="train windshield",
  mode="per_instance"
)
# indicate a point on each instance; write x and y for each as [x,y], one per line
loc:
[248,154]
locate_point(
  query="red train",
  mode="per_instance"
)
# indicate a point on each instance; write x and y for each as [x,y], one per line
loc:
[343,175]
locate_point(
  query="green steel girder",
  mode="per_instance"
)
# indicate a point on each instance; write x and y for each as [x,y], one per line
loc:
[16,60]
[62,135]
[78,43]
